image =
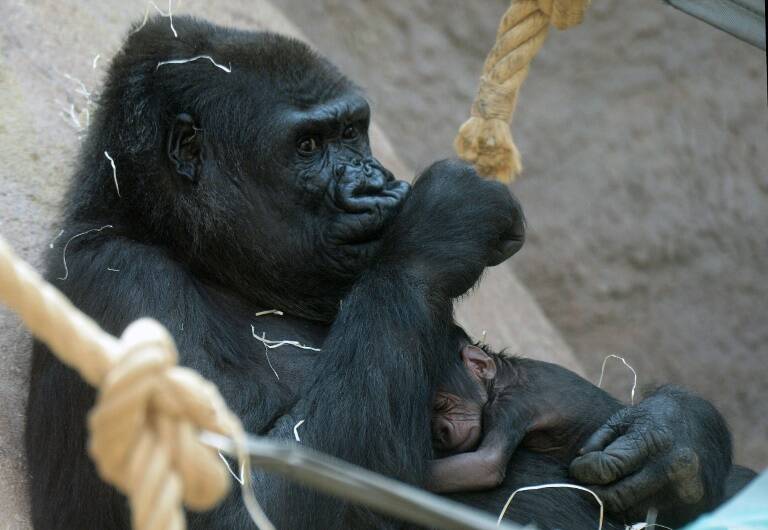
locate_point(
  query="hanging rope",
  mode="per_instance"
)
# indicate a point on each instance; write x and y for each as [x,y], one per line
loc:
[144,429]
[485,139]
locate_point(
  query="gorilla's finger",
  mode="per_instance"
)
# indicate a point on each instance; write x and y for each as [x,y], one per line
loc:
[504,251]
[512,237]
[683,471]
[607,433]
[624,456]
[631,491]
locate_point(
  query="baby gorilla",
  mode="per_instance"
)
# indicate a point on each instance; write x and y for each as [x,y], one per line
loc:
[491,404]
[508,422]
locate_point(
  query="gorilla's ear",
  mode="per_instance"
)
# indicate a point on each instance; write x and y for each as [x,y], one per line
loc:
[479,363]
[185,147]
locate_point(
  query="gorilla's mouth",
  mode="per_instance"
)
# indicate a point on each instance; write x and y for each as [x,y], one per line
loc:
[364,210]
[363,199]
[367,201]
[366,186]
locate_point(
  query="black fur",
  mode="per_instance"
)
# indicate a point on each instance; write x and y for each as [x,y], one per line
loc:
[227,208]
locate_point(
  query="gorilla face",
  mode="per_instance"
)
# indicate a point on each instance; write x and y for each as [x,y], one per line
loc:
[352,197]
[325,198]
[267,180]
[342,197]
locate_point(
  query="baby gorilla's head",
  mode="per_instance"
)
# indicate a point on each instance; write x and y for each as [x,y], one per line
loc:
[458,405]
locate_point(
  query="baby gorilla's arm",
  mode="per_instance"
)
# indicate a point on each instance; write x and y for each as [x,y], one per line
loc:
[461,412]
[478,470]
[483,468]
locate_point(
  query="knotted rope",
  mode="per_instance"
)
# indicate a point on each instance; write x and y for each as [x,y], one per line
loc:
[144,429]
[485,139]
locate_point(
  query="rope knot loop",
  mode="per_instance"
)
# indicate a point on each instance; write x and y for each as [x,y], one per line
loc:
[144,430]
[145,426]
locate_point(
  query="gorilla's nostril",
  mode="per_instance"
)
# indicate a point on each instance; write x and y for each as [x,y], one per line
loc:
[366,187]
[375,181]
[371,181]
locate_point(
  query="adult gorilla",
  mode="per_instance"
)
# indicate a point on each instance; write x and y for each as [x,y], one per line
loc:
[252,190]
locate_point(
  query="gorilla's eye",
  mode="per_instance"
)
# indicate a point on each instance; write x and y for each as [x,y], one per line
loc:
[309,145]
[442,405]
[350,133]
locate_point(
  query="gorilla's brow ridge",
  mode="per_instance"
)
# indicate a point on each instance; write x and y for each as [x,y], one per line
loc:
[331,114]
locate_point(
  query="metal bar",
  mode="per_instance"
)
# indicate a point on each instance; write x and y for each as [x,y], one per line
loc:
[350,482]
[744,19]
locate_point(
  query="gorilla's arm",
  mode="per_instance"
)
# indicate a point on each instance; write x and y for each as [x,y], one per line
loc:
[370,400]
[368,397]
[117,280]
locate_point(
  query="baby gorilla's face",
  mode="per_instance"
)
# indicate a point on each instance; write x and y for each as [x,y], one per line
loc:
[457,410]
[456,423]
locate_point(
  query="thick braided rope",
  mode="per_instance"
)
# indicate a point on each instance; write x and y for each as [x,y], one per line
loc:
[485,139]
[144,427]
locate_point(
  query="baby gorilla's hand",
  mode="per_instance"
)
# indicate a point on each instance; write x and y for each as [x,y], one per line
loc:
[453,225]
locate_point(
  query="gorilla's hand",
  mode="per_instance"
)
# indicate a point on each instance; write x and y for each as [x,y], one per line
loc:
[453,225]
[671,451]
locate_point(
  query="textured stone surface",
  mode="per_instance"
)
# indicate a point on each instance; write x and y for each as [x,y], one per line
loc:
[644,136]
[40,44]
